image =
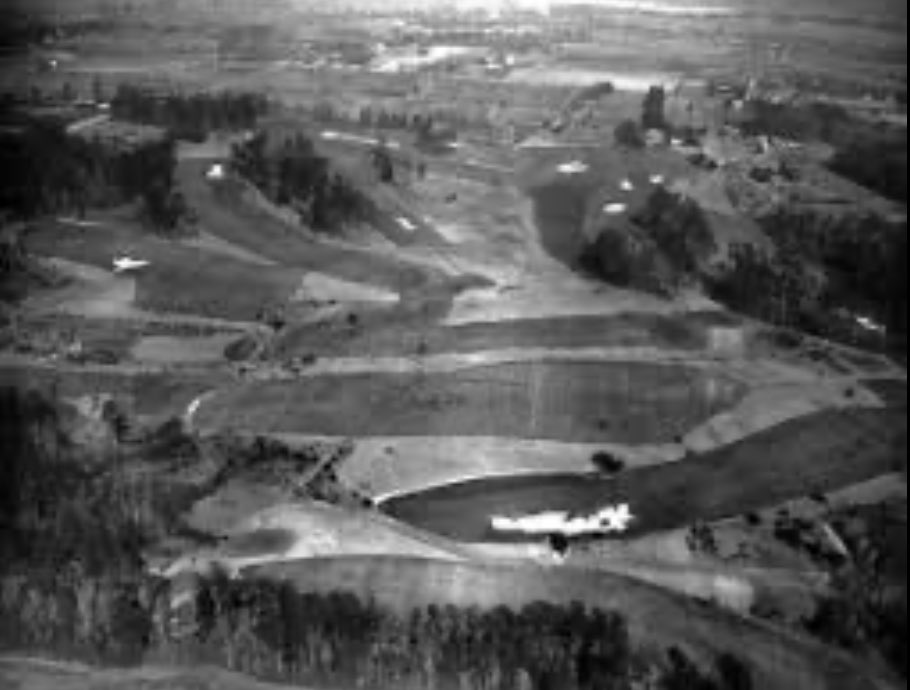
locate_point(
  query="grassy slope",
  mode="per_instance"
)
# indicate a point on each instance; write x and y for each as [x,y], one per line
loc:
[578,401]
[260,232]
[570,331]
[821,452]
[180,278]
[656,617]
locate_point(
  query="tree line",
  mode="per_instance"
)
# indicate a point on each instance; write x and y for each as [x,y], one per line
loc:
[189,116]
[293,174]
[44,170]
[823,266]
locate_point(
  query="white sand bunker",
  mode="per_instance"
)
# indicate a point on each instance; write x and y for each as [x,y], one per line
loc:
[572,168]
[406,224]
[320,287]
[610,519]
[614,209]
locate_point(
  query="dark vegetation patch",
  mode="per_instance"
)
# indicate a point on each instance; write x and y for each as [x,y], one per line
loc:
[892,391]
[826,272]
[88,172]
[867,610]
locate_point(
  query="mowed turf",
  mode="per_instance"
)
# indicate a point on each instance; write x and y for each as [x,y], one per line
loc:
[626,402]
[657,618]
[817,453]
[223,213]
[682,332]
[179,279]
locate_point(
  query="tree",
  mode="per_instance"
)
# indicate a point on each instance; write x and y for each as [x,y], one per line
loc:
[628,134]
[652,116]
[607,463]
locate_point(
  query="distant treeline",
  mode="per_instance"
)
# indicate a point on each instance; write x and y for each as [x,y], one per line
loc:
[43,170]
[74,523]
[189,116]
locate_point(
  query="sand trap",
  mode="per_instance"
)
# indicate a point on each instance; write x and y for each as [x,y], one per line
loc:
[322,287]
[573,168]
[614,209]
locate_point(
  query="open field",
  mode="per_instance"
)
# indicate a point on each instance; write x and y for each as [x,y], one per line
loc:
[577,401]
[155,394]
[817,453]
[239,223]
[179,279]
[621,330]
[656,618]
[308,530]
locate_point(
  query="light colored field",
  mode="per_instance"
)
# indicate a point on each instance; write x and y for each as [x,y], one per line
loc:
[306,530]
[386,466]
[561,297]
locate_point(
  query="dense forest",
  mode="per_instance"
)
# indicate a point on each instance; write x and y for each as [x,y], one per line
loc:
[43,170]
[825,267]
[189,116]
[293,174]
[74,523]
[662,246]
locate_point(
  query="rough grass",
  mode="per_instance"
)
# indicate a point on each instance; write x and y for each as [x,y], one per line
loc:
[153,394]
[179,278]
[818,453]
[656,618]
[623,330]
[573,401]
[228,217]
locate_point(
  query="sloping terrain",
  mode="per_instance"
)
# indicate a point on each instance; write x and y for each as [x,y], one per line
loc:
[818,453]
[657,619]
